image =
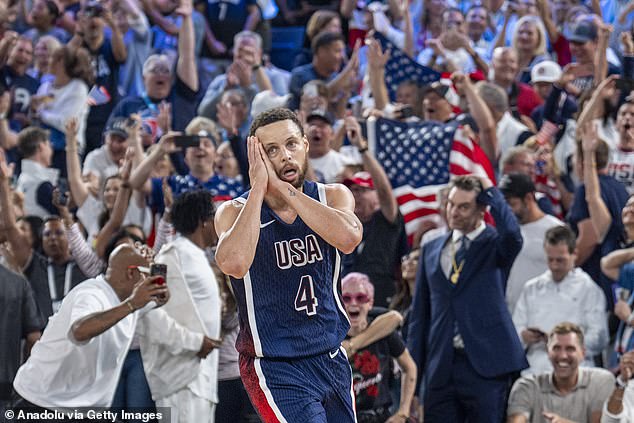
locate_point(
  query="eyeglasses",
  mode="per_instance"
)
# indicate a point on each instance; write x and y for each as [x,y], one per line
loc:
[160,70]
[358,298]
[141,269]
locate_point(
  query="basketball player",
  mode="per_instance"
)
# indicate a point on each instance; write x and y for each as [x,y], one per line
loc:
[280,243]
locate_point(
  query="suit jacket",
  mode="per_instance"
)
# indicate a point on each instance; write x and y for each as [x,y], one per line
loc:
[476,303]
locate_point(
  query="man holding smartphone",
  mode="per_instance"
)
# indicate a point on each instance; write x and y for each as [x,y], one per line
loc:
[92,330]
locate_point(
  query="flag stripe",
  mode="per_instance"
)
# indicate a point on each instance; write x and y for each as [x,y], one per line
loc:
[420,159]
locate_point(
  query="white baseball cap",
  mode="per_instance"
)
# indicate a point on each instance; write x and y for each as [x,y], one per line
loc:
[546,71]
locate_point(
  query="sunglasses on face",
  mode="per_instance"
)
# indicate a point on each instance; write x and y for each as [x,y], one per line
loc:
[358,298]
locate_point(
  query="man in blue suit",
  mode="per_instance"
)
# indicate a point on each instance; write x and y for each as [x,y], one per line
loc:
[461,334]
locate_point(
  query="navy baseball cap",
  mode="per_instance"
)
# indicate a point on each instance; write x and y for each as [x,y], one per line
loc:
[583,31]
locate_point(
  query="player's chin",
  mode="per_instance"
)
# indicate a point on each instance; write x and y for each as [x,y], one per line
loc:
[296,180]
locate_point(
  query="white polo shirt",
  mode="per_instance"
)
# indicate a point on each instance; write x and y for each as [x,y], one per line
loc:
[63,373]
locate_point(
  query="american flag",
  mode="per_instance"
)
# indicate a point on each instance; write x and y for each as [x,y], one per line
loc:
[400,67]
[420,159]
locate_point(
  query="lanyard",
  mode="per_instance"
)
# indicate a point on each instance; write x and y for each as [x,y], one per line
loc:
[52,286]
[150,104]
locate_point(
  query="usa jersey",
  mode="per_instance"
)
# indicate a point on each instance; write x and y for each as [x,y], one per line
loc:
[289,302]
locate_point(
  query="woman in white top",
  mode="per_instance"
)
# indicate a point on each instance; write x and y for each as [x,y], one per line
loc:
[65,96]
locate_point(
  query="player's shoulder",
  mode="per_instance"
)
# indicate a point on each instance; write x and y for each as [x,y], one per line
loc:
[228,211]
[336,191]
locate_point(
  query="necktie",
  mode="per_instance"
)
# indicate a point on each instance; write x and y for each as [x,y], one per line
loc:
[459,259]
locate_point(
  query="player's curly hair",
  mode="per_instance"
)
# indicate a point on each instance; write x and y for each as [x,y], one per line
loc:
[192,209]
[275,115]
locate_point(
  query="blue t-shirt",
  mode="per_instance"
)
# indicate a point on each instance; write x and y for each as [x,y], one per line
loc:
[22,87]
[227,17]
[220,187]
[299,77]
[183,99]
[106,70]
[614,196]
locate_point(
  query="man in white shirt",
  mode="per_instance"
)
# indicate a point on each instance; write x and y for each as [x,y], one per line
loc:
[37,179]
[104,161]
[326,162]
[562,293]
[187,385]
[519,192]
[78,360]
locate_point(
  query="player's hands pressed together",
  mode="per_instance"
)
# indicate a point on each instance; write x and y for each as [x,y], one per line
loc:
[275,184]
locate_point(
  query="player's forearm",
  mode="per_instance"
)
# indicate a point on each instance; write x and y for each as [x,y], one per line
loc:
[340,229]
[236,247]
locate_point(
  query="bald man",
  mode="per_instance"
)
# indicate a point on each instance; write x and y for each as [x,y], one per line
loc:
[78,360]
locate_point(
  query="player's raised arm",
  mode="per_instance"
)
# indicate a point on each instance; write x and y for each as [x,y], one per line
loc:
[336,222]
[237,224]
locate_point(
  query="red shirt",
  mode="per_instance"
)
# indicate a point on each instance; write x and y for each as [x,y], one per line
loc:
[527,99]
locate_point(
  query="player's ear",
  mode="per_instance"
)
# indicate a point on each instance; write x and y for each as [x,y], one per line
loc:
[306,144]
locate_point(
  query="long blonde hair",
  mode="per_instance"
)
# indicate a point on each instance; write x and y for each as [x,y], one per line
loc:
[541,30]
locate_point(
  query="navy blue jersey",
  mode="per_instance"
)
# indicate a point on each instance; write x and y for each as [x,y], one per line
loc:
[289,302]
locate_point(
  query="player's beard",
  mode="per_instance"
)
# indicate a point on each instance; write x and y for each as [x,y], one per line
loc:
[301,176]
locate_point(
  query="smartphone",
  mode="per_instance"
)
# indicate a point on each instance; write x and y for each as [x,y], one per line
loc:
[186,141]
[62,187]
[406,112]
[625,85]
[157,269]
[623,294]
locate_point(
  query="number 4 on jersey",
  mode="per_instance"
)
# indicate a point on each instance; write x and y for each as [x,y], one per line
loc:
[305,299]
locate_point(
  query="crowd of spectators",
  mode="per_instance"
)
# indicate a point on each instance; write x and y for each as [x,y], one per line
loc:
[94,95]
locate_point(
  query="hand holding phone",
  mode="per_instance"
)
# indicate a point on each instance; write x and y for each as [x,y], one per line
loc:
[186,141]
[157,269]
